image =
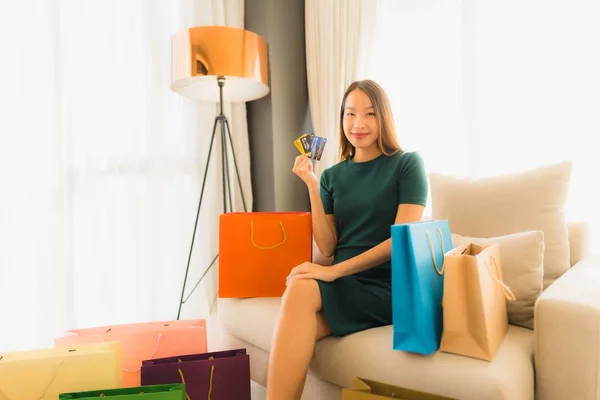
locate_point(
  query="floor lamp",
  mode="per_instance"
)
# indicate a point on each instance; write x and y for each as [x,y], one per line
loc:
[218,64]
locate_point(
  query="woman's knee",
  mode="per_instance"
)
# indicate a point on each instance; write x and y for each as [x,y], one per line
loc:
[302,293]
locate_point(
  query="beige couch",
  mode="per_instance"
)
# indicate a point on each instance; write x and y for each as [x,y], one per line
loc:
[559,360]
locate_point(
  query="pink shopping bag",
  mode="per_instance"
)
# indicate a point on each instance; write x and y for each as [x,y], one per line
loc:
[143,341]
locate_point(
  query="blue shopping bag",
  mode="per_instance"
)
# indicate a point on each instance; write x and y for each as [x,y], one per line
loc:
[418,284]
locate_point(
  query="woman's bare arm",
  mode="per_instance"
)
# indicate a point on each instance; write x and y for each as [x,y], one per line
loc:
[324,230]
[382,252]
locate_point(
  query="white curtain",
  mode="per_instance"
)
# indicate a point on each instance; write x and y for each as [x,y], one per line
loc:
[101,166]
[338,36]
[485,87]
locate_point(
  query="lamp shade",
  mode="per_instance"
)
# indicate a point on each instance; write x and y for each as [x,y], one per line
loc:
[200,55]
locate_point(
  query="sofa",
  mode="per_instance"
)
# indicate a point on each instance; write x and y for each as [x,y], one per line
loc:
[551,350]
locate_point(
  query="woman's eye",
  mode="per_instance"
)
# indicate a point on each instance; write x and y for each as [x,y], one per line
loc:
[372,114]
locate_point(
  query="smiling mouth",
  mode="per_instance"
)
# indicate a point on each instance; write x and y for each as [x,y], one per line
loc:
[360,135]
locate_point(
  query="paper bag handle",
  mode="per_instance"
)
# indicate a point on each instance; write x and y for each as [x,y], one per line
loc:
[47,386]
[148,358]
[210,384]
[435,265]
[267,247]
[507,292]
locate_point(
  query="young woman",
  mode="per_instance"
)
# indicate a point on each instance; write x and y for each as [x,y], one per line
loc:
[374,186]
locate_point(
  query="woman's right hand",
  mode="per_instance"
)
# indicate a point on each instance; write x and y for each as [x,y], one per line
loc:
[303,167]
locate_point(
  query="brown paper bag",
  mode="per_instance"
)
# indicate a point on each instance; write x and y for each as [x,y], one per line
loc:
[474,301]
[364,389]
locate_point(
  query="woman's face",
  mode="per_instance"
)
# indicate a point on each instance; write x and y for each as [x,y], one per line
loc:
[360,123]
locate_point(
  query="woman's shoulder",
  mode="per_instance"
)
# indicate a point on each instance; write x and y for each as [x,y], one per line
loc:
[412,159]
[335,168]
[331,174]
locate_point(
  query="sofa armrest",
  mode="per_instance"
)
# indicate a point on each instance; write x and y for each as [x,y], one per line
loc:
[567,335]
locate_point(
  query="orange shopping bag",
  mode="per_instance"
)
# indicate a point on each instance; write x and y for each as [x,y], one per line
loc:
[143,341]
[257,250]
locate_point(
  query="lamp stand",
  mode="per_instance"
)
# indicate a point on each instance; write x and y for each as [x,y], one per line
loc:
[223,122]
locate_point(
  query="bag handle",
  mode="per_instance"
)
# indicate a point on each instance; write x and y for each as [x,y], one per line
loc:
[54,374]
[435,264]
[147,358]
[266,247]
[210,384]
[507,292]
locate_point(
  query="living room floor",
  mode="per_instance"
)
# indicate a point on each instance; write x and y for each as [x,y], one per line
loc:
[258,392]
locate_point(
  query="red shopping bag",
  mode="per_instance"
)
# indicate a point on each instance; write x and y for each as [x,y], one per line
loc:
[257,250]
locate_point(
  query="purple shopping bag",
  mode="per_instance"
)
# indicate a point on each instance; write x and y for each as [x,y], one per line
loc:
[220,375]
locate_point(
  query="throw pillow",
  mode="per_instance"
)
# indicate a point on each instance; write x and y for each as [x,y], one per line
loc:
[511,203]
[522,263]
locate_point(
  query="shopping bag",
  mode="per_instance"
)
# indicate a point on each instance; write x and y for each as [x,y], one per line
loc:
[365,389]
[220,375]
[474,302]
[418,283]
[45,373]
[143,341]
[154,392]
[257,250]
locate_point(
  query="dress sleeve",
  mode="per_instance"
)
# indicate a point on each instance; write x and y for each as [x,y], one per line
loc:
[326,193]
[413,187]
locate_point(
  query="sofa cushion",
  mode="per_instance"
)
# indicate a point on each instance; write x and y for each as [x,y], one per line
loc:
[511,203]
[252,320]
[522,260]
[369,354]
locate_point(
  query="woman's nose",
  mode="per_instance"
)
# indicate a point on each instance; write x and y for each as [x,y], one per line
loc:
[358,122]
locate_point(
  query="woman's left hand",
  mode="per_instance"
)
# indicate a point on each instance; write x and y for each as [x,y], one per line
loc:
[310,270]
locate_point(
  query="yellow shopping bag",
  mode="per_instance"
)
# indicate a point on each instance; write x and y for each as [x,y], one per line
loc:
[44,374]
[364,389]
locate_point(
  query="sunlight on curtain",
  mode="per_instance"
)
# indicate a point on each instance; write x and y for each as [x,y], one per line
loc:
[102,166]
[31,223]
[485,88]
[538,91]
[417,59]
[135,156]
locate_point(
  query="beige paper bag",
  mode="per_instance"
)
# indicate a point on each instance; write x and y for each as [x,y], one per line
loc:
[45,373]
[475,320]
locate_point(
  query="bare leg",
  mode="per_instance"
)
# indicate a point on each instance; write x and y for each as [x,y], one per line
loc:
[299,326]
[323,330]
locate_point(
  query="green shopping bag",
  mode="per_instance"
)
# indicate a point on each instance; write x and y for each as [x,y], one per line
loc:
[174,391]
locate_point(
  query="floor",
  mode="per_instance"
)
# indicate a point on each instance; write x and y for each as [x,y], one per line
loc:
[258,392]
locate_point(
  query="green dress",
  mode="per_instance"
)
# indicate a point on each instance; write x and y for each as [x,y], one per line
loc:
[364,198]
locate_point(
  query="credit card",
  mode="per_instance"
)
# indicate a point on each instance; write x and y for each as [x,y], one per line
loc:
[309,143]
[306,141]
[317,147]
[299,146]
[303,143]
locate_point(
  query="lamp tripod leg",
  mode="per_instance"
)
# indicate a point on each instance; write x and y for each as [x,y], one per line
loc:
[225,135]
[225,165]
[237,172]
[187,269]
